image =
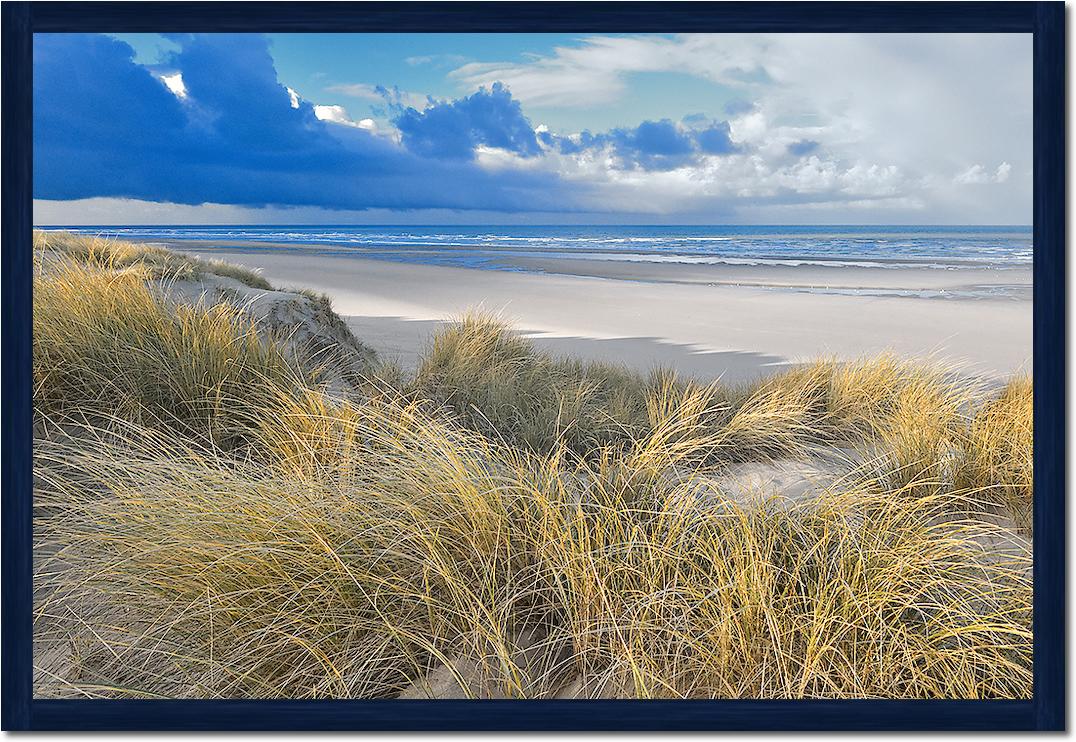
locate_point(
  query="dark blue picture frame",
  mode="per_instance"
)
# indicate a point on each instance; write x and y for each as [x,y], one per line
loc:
[1046,711]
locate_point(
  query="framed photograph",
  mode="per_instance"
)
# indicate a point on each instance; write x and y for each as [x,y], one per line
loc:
[533,366]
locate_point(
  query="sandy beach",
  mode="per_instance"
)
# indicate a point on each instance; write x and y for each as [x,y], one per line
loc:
[727,321]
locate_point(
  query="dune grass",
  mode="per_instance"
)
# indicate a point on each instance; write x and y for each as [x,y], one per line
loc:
[999,454]
[508,523]
[106,340]
[436,547]
[156,262]
[497,383]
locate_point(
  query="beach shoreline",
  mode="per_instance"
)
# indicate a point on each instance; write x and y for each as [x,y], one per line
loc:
[879,276]
[730,322]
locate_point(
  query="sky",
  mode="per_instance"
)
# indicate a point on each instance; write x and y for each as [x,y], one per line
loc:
[532,128]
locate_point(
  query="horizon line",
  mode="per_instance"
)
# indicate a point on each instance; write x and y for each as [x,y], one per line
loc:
[501,224]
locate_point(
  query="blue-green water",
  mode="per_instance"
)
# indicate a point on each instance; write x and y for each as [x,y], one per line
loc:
[492,247]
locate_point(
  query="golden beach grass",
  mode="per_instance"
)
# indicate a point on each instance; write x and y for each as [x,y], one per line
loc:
[496,382]
[158,262]
[998,457]
[105,340]
[508,523]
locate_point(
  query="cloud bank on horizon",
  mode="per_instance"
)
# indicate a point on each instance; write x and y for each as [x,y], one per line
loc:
[839,128]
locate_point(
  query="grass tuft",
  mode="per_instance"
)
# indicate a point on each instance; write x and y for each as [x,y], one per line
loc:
[156,262]
[999,453]
[108,341]
[495,382]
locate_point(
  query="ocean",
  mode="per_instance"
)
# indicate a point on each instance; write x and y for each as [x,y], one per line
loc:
[494,247]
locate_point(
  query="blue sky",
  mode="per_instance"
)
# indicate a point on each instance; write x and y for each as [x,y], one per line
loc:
[474,128]
[322,66]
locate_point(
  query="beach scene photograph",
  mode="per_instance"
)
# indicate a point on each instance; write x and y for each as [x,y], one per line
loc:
[532,366]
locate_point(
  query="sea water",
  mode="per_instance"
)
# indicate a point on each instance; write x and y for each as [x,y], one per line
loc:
[494,247]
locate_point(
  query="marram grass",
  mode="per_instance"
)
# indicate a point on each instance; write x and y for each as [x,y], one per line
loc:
[217,578]
[496,382]
[505,524]
[112,341]
[157,262]
[998,457]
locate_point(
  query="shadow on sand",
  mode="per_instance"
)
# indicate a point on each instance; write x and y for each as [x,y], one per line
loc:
[404,340]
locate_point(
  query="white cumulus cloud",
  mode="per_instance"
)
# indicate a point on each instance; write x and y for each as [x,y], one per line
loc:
[174,82]
[978,175]
[891,117]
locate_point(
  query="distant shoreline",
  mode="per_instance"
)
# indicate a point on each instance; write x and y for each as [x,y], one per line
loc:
[898,278]
[677,316]
[939,247]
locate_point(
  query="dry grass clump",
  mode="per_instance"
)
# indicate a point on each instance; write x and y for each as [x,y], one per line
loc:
[850,594]
[157,262]
[784,415]
[496,382]
[999,453]
[107,341]
[917,431]
[880,402]
[216,578]
[523,576]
